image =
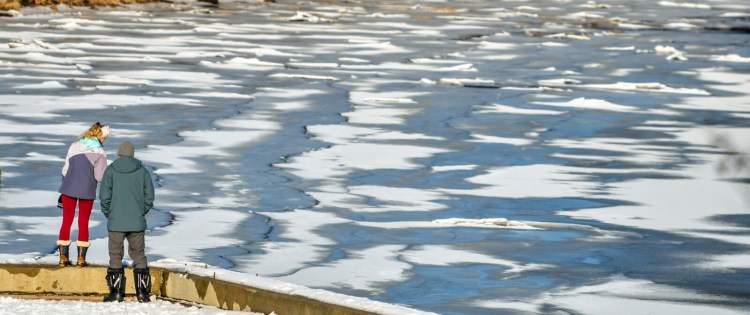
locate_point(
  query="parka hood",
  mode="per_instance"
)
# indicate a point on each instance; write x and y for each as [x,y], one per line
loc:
[126,164]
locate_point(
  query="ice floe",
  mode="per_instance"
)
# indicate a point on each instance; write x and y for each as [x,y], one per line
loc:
[448,168]
[738,261]
[505,109]
[360,270]
[646,87]
[671,52]
[531,181]
[681,26]
[207,229]
[339,160]
[307,17]
[730,58]
[591,104]
[567,36]
[441,255]
[722,80]
[623,48]
[496,223]
[489,222]
[467,82]
[342,134]
[620,295]
[43,85]
[298,225]
[689,194]
[302,76]
[692,5]
[239,63]
[503,140]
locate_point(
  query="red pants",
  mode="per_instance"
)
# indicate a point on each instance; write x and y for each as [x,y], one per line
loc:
[69,212]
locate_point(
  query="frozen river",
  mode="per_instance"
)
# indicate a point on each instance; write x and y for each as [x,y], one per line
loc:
[459,157]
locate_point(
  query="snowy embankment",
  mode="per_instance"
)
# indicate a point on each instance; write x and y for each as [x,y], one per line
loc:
[10,305]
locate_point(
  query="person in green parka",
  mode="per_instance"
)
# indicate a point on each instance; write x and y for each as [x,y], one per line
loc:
[126,195]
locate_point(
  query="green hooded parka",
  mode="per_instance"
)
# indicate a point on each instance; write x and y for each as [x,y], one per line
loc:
[126,194]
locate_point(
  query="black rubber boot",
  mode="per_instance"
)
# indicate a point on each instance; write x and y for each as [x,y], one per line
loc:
[116,283]
[64,254]
[142,284]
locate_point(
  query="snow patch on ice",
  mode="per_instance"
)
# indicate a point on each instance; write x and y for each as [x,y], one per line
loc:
[568,36]
[591,104]
[680,26]
[505,109]
[341,134]
[691,5]
[583,16]
[448,168]
[624,48]
[360,270]
[733,82]
[340,160]
[730,58]
[307,17]
[17,198]
[671,52]
[529,181]
[503,140]
[307,247]
[239,63]
[469,223]
[218,95]
[619,295]
[43,85]
[738,261]
[700,195]
[466,81]
[617,149]
[42,225]
[302,76]
[444,255]
[398,198]
[496,46]
[356,60]
[488,222]
[207,229]
[645,87]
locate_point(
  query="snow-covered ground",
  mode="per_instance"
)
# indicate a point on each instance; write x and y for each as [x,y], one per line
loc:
[9,305]
[459,157]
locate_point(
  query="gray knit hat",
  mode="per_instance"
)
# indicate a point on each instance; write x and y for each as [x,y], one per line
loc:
[126,149]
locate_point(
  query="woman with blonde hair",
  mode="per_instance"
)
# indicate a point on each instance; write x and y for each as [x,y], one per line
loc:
[84,167]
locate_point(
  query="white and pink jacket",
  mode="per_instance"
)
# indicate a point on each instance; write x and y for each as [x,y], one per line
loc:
[83,169]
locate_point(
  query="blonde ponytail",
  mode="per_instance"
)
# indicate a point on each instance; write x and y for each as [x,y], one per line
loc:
[96,131]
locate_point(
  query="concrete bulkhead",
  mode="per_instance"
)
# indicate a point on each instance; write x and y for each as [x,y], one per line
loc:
[41,280]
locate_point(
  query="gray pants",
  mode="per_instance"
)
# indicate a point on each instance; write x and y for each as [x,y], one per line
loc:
[136,248]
